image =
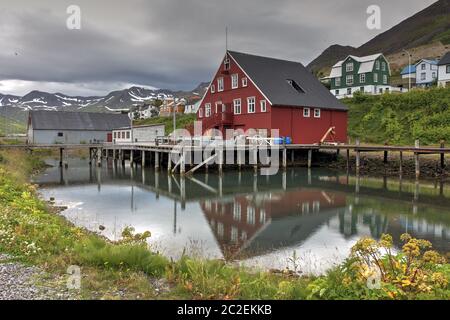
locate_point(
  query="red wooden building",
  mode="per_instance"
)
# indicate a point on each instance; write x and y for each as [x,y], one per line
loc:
[253,92]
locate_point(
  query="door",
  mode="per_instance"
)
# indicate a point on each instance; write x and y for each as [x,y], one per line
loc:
[109,137]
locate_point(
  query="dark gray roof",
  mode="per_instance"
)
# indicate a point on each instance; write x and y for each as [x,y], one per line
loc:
[60,120]
[271,75]
[445,59]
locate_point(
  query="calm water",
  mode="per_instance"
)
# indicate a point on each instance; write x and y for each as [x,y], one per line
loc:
[256,220]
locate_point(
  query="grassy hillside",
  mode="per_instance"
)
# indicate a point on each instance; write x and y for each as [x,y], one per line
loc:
[182,121]
[11,126]
[401,118]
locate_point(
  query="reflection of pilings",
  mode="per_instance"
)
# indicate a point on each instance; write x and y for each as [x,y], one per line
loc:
[157,161]
[99,157]
[131,158]
[99,179]
[143,175]
[309,176]
[169,163]
[416,190]
[255,183]
[416,160]
[309,158]
[358,155]
[157,184]
[61,175]
[175,217]
[183,192]
[283,179]
[400,169]
[220,185]
[357,183]
[143,159]
[169,183]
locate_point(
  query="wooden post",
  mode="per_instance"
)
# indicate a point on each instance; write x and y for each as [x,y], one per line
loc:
[358,160]
[156,161]
[401,163]
[284,155]
[416,160]
[220,161]
[348,159]
[90,156]
[309,158]
[131,157]
[99,157]
[442,155]
[143,158]
[255,159]
[385,156]
[169,163]
[292,156]
[182,164]
[61,156]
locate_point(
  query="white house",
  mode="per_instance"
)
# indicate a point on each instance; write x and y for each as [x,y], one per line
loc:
[145,133]
[192,108]
[444,71]
[426,72]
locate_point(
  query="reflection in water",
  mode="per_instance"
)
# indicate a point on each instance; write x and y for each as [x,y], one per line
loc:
[257,220]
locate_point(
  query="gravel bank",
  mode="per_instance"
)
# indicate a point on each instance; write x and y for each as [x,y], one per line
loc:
[20,282]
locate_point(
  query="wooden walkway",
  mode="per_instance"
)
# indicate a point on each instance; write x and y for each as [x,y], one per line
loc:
[160,154]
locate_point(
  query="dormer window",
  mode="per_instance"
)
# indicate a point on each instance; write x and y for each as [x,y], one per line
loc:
[244,82]
[295,85]
[349,67]
[213,88]
[226,64]
[219,84]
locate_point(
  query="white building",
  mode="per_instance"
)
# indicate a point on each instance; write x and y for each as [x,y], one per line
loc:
[426,72]
[145,133]
[444,71]
[192,108]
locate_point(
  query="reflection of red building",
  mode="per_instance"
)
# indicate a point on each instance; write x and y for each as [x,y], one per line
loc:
[253,92]
[237,224]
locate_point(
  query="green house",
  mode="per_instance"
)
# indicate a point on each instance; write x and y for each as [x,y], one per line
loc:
[369,74]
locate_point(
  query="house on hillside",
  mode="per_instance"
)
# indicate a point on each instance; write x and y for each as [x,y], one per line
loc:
[409,72]
[426,72]
[58,127]
[170,104]
[260,93]
[193,107]
[444,71]
[369,74]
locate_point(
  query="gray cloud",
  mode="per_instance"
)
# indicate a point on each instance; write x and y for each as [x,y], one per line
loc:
[168,43]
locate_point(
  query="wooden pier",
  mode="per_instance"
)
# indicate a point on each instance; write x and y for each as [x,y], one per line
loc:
[161,155]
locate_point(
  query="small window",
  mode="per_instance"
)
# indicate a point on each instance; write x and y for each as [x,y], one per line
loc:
[349,80]
[226,64]
[349,67]
[234,81]
[385,79]
[423,66]
[447,69]
[123,134]
[128,134]
[213,88]
[251,105]
[220,84]
[263,106]
[295,85]
[423,76]
[207,110]
[377,65]
[336,92]
[349,91]
[383,66]
[60,134]
[244,82]
[316,113]
[306,112]
[115,135]
[337,82]
[362,78]
[375,77]
[237,106]
[433,75]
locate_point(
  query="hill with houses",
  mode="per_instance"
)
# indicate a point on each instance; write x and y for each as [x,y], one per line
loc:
[425,34]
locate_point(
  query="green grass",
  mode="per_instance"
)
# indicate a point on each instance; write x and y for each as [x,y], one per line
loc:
[183,120]
[401,118]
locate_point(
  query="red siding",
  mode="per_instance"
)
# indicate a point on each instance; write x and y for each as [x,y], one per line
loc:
[289,121]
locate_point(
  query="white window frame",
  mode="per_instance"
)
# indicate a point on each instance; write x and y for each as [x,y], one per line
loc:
[377,65]
[375,77]
[227,64]
[220,84]
[383,66]
[244,82]
[249,103]
[208,110]
[337,82]
[447,68]
[349,80]
[234,81]
[263,105]
[213,88]
[306,112]
[349,67]
[317,113]
[423,66]
[385,79]
[237,103]
[200,112]
[362,78]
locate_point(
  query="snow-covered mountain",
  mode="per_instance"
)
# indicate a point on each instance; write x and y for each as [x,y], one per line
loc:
[121,99]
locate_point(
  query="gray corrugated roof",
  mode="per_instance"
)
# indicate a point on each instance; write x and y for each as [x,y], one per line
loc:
[61,120]
[270,75]
[445,59]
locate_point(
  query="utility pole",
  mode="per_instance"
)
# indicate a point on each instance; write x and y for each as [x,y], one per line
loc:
[409,69]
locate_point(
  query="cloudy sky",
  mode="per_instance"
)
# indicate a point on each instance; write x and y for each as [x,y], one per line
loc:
[167,43]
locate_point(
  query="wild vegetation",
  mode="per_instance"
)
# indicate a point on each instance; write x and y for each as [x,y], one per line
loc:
[182,121]
[32,232]
[401,118]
